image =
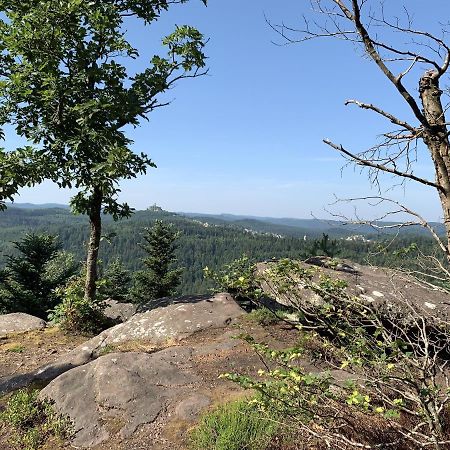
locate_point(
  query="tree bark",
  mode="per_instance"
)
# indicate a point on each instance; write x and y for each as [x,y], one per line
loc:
[95,222]
[435,136]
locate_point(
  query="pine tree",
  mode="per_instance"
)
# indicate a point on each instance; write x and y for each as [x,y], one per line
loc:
[160,277]
[28,281]
[117,281]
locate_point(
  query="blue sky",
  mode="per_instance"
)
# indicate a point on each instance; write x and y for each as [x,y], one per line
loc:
[247,138]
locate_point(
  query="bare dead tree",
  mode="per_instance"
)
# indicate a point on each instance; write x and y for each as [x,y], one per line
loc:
[425,56]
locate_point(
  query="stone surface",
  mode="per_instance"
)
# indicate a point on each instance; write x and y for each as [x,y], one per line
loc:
[375,285]
[189,408]
[175,320]
[128,389]
[19,322]
[119,311]
[166,324]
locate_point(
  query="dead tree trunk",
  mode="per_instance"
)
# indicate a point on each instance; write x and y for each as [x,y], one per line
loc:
[95,222]
[435,136]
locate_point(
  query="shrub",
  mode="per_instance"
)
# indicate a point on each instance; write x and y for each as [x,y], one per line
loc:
[233,426]
[394,357]
[75,313]
[238,279]
[33,420]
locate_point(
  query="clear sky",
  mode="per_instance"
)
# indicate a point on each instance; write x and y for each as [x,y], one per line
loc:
[247,138]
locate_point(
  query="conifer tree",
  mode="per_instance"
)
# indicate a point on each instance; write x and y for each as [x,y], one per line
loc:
[117,281]
[160,277]
[29,280]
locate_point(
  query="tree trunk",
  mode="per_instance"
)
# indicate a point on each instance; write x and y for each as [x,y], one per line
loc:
[95,222]
[435,136]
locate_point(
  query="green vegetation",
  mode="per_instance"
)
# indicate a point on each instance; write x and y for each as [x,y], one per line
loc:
[66,89]
[33,420]
[117,281]
[75,313]
[29,280]
[160,277]
[234,426]
[199,245]
[16,349]
[394,359]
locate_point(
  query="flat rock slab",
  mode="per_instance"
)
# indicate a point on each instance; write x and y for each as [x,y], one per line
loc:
[161,326]
[127,389]
[179,319]
[19,323]
[373,285]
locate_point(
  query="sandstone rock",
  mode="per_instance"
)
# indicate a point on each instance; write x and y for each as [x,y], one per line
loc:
[374,285]
[118,311]
[181,318]
[189,408]
[19,322]
[128,388]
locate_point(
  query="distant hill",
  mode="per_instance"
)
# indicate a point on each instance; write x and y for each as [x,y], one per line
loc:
[309,227]
[206,240]
[37,206]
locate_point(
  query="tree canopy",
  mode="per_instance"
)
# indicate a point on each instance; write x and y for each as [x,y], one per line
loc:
[66,89]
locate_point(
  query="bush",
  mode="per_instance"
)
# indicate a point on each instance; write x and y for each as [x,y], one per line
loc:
[233,426]
[238,279]
[75,313]
[34,421]
[393,357]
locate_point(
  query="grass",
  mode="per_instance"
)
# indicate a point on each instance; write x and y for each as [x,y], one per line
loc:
[265,316]
[16,349]
[33,421]
[233,426]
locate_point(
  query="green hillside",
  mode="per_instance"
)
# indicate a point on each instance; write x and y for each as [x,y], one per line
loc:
[205,240]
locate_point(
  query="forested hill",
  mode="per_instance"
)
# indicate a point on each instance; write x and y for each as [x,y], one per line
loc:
[205,240]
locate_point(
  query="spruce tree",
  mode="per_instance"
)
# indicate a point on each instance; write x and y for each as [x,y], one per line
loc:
[160,277]
[29,279]
[117,281]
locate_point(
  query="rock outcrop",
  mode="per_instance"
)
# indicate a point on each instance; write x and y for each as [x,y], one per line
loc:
[130,389]
[375,285]
[160,327]
[119,311]
[19,323]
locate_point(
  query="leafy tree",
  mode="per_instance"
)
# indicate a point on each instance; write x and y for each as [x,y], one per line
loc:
[19,168]
[29,280]
[159,278]
[65,89]
[117,281]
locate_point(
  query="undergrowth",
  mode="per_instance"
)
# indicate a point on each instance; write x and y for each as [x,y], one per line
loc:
[33,421]
[233,426]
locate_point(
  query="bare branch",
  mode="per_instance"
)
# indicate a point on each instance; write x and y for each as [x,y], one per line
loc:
[367,163]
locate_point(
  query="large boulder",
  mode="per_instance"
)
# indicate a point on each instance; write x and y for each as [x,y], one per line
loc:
[164,325]
[127,389]
[119,311]
[19,323]
[373,285]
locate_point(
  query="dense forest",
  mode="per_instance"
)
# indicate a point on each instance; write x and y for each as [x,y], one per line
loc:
[207,240]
